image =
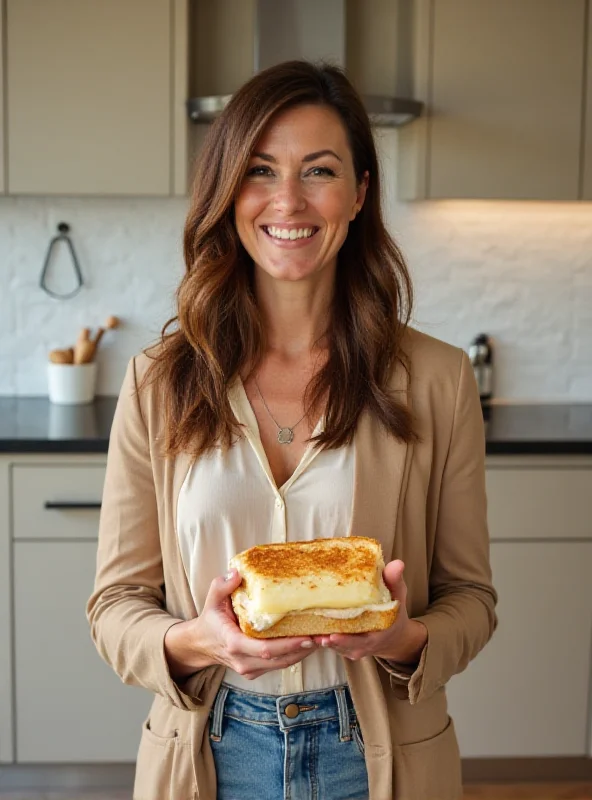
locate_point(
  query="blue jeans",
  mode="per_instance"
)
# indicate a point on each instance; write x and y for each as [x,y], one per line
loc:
[295,747]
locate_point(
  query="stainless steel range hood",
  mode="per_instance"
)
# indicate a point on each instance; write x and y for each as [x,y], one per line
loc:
[313,30]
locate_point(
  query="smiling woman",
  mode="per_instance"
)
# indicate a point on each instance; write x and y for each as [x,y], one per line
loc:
[289,401]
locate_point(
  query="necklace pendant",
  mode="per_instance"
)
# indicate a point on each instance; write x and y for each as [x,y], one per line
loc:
[285,435]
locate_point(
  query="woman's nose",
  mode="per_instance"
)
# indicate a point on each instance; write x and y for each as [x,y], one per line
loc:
[289,196]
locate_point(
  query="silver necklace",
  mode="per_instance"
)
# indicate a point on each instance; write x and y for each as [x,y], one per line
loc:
[285,434]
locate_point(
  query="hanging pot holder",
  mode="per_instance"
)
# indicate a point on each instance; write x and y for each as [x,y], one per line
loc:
[62,236]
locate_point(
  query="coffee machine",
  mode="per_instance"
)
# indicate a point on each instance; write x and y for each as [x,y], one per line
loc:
[481,358]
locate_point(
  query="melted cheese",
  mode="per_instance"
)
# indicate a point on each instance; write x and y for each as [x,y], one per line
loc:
[279,596]
[261,621]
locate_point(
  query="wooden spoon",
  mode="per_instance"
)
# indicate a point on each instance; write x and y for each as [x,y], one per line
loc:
[84,349]
[62,356]
[110,324]
[84,352]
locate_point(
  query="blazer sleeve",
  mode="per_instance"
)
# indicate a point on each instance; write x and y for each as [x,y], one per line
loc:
[126,611]
[460,618]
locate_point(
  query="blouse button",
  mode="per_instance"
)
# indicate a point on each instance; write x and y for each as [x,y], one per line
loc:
[279,503]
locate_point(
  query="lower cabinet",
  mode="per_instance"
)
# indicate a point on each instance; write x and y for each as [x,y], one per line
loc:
[527,693]
[70,707]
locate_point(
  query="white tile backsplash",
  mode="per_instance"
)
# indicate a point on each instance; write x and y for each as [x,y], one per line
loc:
[519,271]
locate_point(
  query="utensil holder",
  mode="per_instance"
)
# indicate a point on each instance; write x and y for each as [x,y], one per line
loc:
[72,384]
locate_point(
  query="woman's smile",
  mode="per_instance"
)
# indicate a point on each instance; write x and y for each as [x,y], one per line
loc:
[290,237]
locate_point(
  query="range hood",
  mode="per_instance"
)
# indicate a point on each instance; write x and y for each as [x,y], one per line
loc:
[313,30]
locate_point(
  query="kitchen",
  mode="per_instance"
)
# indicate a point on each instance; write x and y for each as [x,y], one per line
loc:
[488,193]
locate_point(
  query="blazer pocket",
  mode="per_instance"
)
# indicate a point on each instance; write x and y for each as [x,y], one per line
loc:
[428,769]
[164,770]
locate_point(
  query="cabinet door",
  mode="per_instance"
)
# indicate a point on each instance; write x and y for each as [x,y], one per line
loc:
[539,502]
[506,99]
[89,97]
[587,176]
[56,501]
[527,693]
[70,706]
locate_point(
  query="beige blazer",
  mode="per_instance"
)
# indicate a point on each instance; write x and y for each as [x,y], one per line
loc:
[425,503]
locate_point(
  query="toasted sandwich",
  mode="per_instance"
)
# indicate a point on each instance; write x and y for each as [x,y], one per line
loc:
[316,587]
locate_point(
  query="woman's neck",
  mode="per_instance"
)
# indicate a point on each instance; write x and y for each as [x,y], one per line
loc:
[296,316]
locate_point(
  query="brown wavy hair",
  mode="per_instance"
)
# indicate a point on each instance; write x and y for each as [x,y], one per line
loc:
[218,331]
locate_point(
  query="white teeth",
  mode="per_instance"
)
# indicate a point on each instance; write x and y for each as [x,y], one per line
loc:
[292,233]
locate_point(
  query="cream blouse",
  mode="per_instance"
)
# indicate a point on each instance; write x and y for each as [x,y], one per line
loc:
[229,501]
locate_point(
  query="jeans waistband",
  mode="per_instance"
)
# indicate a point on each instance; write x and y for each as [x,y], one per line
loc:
[285,711]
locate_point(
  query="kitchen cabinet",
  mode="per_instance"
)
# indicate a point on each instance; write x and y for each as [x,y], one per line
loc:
[2,143]
[59,702]
[587,173]
[93,97]
[527,694]
[70,705]
[503,84]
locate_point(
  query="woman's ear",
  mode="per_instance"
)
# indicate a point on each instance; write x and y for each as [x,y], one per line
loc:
[360,195]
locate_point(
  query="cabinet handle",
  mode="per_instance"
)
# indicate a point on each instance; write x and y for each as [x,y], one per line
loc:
[71,506]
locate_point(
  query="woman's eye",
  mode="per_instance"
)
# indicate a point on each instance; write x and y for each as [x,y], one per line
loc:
[321,172]
[258,171]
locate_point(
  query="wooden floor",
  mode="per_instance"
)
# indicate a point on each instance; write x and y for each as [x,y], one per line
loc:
[530,791]
[541,791]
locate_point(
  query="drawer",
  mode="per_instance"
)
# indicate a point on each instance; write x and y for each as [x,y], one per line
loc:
[539,503]
[57,501]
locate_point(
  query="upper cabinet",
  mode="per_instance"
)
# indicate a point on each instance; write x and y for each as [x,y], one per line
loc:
[2,150]
[503,82]
[587,176]
[92,97]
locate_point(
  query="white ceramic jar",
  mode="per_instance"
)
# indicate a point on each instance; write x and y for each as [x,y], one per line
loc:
[71,384]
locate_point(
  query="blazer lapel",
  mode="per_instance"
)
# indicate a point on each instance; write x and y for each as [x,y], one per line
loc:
[379,471]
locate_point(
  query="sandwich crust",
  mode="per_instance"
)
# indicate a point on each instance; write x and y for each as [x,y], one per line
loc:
[306,624]
[349,557]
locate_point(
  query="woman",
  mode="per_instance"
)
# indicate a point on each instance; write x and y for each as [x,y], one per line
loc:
[291,401]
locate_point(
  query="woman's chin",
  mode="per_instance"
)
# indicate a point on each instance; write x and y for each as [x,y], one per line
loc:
[293,272]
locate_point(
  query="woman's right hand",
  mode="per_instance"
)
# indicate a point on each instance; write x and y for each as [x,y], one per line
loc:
[215,638]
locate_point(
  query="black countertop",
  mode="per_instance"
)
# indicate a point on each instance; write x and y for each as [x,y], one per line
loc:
[539,429]
[34,425]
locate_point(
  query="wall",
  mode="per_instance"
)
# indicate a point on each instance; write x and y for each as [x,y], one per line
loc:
[519,271]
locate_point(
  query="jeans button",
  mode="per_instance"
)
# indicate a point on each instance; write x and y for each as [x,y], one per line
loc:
[291,711]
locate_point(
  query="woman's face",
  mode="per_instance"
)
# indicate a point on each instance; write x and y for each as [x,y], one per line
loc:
[299,194]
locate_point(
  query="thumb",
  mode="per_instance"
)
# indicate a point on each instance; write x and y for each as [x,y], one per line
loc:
[393,578]
[222,587]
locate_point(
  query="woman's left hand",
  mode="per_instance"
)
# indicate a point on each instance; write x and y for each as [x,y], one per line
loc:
[402,642]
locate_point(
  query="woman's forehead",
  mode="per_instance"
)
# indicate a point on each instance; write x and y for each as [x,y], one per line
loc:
[309,128]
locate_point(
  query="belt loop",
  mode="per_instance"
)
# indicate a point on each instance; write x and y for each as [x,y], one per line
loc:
[344,726]
[217,714]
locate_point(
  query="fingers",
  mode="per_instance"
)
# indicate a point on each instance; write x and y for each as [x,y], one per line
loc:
[269,649]
[393,578]
[253,667]
[352,646]
[221,588]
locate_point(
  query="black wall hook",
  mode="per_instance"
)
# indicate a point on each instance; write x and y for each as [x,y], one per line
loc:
[62,236]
